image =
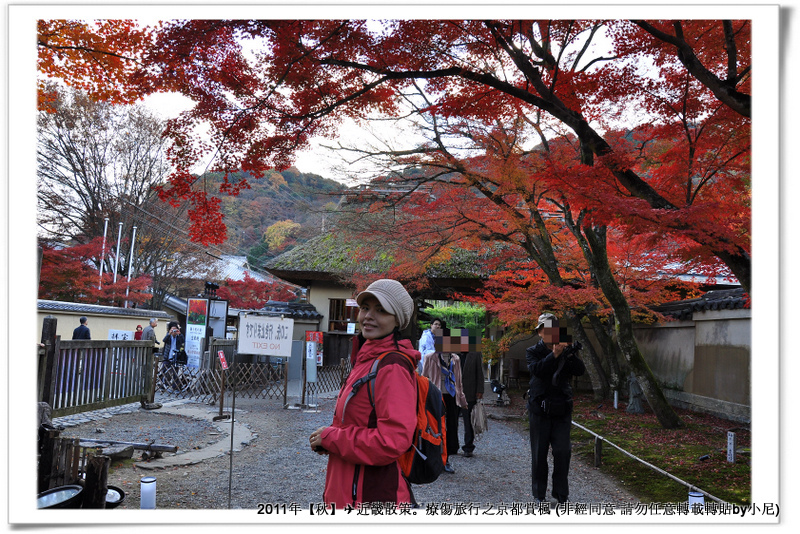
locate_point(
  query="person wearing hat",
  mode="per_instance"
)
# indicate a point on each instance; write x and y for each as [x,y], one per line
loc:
[138,334]
[550,407]
[364,443]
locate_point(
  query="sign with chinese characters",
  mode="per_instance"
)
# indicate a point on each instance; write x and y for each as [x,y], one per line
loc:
[196,322]
[265,336]
[222,360]
[314,346]
[119,335]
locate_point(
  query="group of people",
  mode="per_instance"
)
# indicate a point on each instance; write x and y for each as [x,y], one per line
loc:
[460,379]
[148,333]
[364,444]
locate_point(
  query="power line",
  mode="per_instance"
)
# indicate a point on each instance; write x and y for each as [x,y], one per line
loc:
[203,248]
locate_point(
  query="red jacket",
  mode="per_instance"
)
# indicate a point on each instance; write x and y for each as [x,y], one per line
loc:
[364,448]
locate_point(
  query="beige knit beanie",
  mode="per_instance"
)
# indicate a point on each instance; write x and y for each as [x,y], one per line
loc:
[393,297]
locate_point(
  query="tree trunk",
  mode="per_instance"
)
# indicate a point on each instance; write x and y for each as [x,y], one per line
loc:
[611,349]
[595,369]
[624,331]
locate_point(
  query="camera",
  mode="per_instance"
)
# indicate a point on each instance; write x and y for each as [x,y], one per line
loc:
[572,349]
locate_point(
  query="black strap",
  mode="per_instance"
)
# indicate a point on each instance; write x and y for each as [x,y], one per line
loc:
[558,371]
[370,378]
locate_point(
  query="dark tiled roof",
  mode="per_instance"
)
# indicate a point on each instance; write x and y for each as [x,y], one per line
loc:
[721,299]
[294,310]
[77,307]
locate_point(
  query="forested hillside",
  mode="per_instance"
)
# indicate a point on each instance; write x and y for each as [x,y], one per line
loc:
[275,211]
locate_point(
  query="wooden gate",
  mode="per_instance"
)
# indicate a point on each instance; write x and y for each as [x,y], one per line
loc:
[85,375]
[330,379]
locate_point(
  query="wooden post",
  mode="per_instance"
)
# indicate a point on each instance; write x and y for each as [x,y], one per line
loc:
[221,387]
[94,492]
[46,445]
[285,365]
[47,367]
[598,451]
[156,361]
[731,447]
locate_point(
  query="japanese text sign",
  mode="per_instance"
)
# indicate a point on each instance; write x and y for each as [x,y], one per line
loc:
[267,336]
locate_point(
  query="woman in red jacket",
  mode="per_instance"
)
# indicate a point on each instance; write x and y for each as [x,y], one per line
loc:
[364,443]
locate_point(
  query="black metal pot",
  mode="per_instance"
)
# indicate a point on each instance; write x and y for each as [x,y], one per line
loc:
[114,496]
[61,497]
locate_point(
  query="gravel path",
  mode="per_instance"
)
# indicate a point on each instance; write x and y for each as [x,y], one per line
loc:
[279,467]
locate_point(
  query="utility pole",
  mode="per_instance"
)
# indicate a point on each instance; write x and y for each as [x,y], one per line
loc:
[116,259]
[130,267]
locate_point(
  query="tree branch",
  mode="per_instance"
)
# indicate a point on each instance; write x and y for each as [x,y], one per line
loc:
[727,94]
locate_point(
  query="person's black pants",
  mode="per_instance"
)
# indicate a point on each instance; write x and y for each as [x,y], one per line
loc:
[451,410]
[550,432]
[469,432]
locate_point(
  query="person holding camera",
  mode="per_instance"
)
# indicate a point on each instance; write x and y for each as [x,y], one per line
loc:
[368,436]
[552,362]
[173,344]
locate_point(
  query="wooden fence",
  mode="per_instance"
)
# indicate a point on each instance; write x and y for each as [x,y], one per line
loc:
[61,460]
[83,375]
[261,380]
[330,378]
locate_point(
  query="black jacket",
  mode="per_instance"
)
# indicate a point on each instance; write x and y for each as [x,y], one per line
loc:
[542,365]
[167,345]
[472,375]
[82,332]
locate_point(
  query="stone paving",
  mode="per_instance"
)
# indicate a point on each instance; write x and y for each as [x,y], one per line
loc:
[68,421]
[242,435]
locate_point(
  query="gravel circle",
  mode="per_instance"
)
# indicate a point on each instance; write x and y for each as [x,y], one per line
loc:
[278,467]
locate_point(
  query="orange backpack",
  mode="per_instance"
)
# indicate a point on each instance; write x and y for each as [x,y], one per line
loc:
[424,461]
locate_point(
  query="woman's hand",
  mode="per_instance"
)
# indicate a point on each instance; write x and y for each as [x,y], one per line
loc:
[315,441]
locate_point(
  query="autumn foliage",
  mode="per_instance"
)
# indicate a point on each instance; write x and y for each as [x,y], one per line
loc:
[68,274]
[252,294]
[584,161]
[681,174]
[97,57]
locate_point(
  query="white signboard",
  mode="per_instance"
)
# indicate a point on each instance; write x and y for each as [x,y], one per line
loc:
[265,336]
[311,357]
[120,334]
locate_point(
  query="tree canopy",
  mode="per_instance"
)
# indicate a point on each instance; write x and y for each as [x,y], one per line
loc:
[265,88]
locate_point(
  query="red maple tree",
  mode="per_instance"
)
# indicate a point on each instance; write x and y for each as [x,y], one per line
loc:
[679,179]
[253,294]
[307,75]
[69,274]
[98,57]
